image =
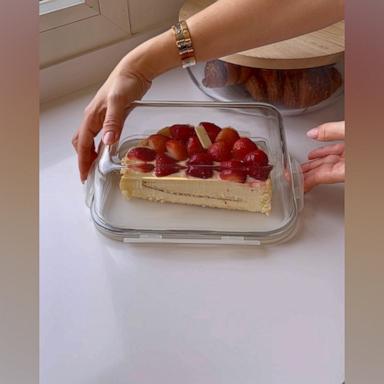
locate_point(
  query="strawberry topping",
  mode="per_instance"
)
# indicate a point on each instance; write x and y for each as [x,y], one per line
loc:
[141,153]
[202,172]
[141,167]
[200,165]
[157,142]
[242,147]
[260,172]
[220,151]
[165,131]
[165,165]
[235,175]
[257,157]
[202,158]
[176,149]
[194,146]
[229,135]
[211,129]
[182,131]
[233,164]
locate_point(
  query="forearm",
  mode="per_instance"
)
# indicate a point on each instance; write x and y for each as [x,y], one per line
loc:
[230,26]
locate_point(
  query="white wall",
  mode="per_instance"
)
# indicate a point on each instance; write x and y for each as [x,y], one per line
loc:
[145,14]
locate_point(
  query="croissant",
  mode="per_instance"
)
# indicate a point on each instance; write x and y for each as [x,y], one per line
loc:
[304,88]
[221,74]
[293,88]
[265,85]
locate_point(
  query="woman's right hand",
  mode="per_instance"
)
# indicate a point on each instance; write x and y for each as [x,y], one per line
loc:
[129,81]
[107,113]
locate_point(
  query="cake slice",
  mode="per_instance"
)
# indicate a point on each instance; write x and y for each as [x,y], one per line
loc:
[230,172]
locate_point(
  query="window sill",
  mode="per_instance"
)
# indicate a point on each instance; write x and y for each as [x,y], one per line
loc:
[90,68]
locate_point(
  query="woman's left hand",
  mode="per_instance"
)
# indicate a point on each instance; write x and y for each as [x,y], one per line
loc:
[326,164]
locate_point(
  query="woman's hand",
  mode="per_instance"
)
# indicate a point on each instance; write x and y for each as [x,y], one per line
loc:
[326,164]
[107,112]
[128,82]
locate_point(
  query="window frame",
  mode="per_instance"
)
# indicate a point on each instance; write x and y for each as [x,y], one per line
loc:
[57,13]
[79,27]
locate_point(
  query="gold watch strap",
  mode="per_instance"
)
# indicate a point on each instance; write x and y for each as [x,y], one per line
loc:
[184,44]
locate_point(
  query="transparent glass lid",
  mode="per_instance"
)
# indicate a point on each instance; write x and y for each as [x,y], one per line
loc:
[324,90]
[139,220]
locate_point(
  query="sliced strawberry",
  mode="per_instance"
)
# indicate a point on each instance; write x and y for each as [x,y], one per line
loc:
[141,167]
[260,172]
[157,142]
[211,129]
[220,151]
[200,165]
[242,147]
[201,158]
[176,149]
[182,131]
[165,131]
[141,153]
[200,171]
[233,164]
[229,135]
[234,175]
[257,157]
[194,146]
[165,165]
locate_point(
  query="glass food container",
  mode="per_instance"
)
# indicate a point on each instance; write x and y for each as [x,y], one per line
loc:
[292,91]
[142,221]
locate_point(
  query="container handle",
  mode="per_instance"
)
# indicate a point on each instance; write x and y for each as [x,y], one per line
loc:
[298,183]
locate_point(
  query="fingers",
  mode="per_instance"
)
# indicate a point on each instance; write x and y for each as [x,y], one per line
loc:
[111,123]
[309,165]
[86,153]
[336,149]
[114,121]
[325,173]
[328,131]
[84,144]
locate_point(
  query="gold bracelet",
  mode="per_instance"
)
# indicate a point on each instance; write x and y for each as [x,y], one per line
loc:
[184,44]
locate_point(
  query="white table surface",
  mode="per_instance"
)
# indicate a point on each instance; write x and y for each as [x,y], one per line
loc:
[144,314]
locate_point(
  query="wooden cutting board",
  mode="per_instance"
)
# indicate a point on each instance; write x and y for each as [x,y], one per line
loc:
[322,47]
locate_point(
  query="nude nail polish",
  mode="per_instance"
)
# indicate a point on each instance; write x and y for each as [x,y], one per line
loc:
[313,133]
[109,138]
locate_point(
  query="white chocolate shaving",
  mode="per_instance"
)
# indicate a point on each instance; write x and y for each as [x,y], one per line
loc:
[202,134]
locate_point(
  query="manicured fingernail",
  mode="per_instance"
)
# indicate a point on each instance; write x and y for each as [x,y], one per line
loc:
[109,138]
[313,133]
